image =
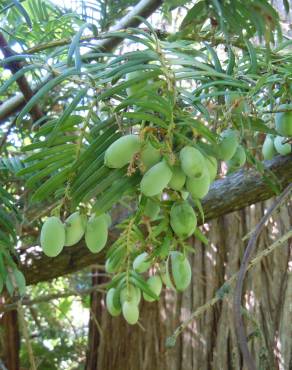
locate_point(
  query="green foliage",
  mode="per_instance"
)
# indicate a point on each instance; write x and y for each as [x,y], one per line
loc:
[173,92]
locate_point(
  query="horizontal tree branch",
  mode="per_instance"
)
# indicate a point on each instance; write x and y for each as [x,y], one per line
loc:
[143,9]
[22,82]
[232,193]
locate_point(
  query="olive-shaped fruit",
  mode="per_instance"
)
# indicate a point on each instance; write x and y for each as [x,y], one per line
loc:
[121,152]
[52,236]
[181,270]
[227,145]
[282,148]
[112,309]
[151,209]
[136,87]
[268,149]
[96,233]
[130,293]
[149,156]
[74,228]
[283,122]
[192,161]
[130,312]
[156,179]
[198,187]
[236,101]
[141,263]
[212,166]
[178,178]
[239,158]
[184,194]
[155,284]
[183,219]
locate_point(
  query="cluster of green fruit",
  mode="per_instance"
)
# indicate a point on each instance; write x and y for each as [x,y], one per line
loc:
[279,144]
[188,171]
[125,296]
[192,172]
[55,235]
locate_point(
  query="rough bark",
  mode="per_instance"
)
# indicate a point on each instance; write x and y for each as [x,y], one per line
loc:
[10,340]
[226,195]
[22,82]
[209,342]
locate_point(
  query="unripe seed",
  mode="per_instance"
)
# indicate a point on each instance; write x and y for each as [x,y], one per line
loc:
[227,145]
[181,270]
[284,123]
[212,166]
[239,158]
[178,179]
[141,263]
[135,88]
[281,148]
[149,156]
[156,179]
[52,236]
[130,293]
[130,312]
[198,187]
[112,309]
[235,101]
[74,228]
[96,233]
[183,219]
[268,148]
[151,209]
[155,284]
[121,152]
[192,161]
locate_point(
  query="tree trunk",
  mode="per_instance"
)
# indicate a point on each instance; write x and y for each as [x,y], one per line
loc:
[209,342]
[10,341]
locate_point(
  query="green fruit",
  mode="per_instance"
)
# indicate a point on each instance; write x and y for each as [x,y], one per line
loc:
[136,87]
[151,209]
[74,228]
[130,312]
[121,152]
[239,158]
[268,148]
[96,233]
[284,123]
[212,166]
[184,194]
[227,145]
[236,102]
[181,270]
[156,179]
[281,148]
[130,294]
[52,236]
[112,309]
[155,284]
[183,219]
[198,187]
[192,161]
[149,156]
[141,263]
[178,179]
[109,219]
